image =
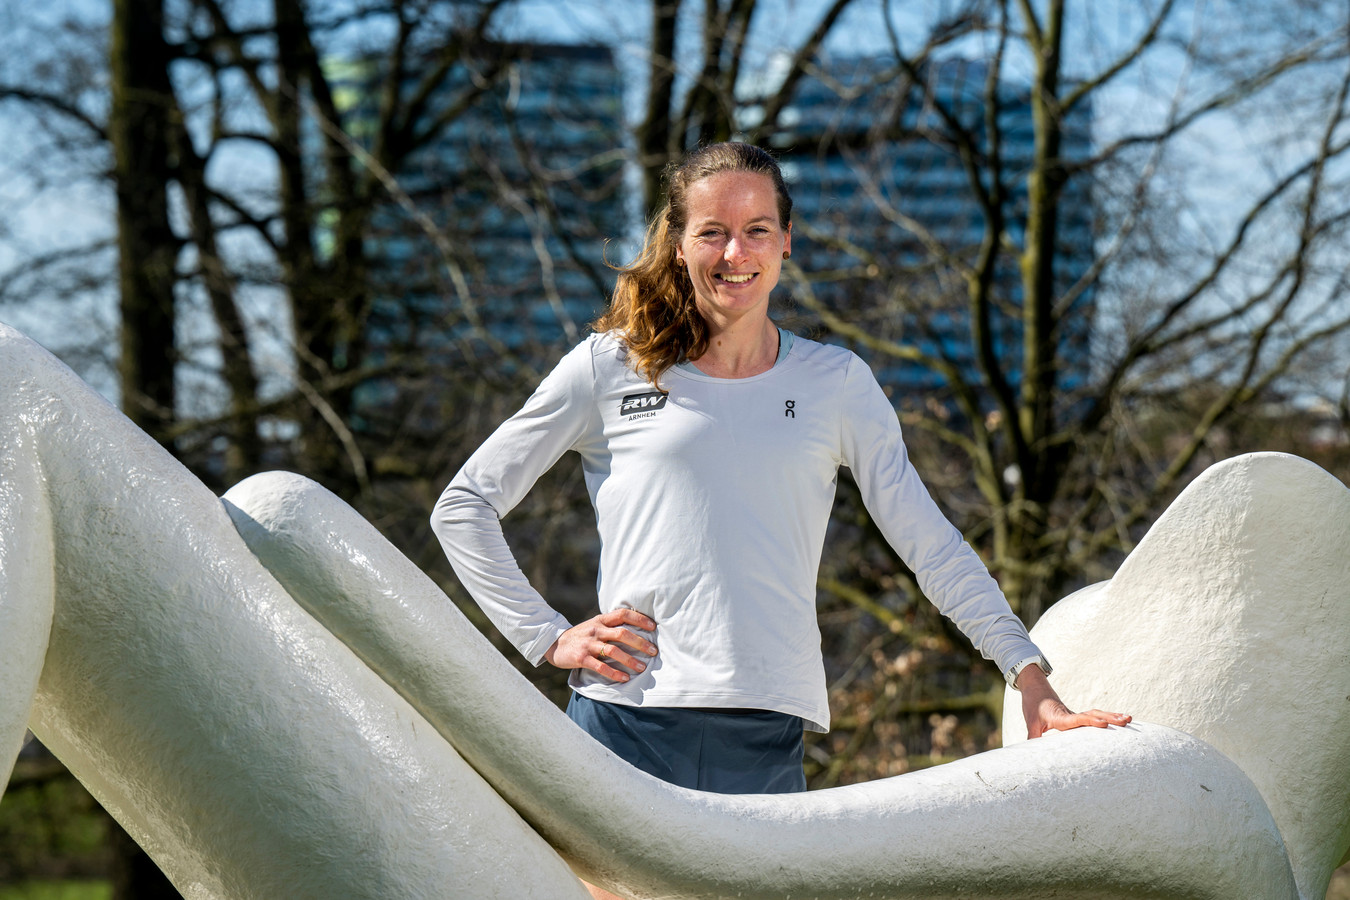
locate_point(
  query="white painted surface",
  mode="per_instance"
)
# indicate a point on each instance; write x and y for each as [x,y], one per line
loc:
[27,590]
[254,754]
[234,737]
[1085,814]
[1231,621]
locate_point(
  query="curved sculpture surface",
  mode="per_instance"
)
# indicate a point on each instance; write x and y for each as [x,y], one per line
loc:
[234,737]
[275,702]
[1231,621]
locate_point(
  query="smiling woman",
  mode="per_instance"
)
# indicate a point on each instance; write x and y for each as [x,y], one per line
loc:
[711,441]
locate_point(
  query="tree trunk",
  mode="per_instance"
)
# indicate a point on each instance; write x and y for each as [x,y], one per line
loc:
[655,143]
[1042,459]
[139,128]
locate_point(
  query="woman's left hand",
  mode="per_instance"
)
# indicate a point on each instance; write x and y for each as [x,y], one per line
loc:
[1044,711]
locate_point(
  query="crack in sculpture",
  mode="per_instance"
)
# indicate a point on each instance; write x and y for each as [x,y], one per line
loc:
[275,702]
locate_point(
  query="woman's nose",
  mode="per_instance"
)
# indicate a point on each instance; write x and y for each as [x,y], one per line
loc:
[735,250]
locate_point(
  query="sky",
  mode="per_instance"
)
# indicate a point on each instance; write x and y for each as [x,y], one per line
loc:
[69,209]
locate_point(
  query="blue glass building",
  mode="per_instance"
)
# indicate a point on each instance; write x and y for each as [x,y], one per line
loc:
[886,218]
[494,243]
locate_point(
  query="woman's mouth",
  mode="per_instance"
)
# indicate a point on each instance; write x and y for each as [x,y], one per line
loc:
[736,279]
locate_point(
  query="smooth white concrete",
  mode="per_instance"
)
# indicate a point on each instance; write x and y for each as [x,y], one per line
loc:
[1144,811]
[1231,621]
[27,586]
[236,739]
[226,707]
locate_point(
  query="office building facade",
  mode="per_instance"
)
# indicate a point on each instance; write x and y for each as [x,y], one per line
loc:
[493,244]
[886,219]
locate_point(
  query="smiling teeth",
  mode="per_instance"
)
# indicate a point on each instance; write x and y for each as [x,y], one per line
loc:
[737,279]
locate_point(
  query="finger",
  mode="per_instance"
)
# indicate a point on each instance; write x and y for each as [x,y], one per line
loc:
[1107,718]
[1090,719]
[626,616]
[630,639]
[595,664]
[615,654]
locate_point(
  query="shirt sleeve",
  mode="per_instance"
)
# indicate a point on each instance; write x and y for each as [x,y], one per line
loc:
[949,571]
[467,517]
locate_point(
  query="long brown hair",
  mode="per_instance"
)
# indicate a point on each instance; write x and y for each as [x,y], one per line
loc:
[653,309]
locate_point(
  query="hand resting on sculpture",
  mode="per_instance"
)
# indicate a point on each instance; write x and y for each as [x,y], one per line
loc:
[1044,711]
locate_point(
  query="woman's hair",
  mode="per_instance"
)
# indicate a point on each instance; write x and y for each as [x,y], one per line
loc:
[653,309]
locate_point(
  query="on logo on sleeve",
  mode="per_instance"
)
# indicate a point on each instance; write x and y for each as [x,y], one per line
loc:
[642,405]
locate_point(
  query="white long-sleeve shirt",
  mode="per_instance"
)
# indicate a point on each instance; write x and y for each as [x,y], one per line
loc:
[712,501]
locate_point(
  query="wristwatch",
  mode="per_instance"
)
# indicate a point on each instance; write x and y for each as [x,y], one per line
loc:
[1017,668]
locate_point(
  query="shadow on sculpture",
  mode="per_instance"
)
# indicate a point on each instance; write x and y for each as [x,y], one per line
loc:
[275,702]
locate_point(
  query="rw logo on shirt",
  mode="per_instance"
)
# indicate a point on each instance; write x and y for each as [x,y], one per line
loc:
[647,404]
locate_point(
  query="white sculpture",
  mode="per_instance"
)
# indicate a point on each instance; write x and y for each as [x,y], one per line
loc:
[276,703]
[1231,621]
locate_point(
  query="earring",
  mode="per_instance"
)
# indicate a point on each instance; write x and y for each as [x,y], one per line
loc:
[786,255]
[679,262]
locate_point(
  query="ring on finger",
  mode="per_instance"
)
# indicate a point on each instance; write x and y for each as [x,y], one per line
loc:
[603,652]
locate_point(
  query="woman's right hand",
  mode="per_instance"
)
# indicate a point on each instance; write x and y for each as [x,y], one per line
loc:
[601,640]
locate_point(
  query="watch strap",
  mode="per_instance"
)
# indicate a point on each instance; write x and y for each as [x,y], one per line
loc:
[1012,674]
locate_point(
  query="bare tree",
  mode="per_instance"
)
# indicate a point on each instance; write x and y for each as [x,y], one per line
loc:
[1069,343]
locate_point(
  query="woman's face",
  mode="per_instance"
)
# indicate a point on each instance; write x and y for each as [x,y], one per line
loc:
[733,245]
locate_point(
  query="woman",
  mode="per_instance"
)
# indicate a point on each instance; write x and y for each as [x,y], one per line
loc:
[711,442]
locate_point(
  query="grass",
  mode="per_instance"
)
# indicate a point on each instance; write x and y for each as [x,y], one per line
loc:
[57,890]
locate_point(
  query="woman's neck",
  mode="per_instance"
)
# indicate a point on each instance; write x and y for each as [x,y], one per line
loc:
[740,351]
